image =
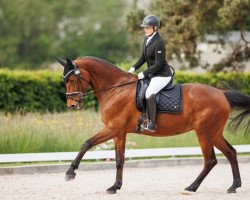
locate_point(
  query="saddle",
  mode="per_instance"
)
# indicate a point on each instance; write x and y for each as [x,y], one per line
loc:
[169,99]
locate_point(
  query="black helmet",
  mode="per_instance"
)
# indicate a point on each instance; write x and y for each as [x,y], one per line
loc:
[151,20]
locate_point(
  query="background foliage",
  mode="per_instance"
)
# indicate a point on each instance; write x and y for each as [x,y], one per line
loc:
[186,23]
[33,32]
[45,90]
[31,91]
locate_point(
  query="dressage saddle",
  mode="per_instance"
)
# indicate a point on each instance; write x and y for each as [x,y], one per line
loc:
[169,99]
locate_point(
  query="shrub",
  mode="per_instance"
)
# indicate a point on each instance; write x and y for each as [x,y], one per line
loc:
[31,91]
[229,81]
[45,90]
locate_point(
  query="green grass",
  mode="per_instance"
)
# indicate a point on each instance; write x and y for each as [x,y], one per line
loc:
[46,132]
[67,131]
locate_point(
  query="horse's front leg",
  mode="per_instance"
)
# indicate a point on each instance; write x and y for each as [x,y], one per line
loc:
[102,136]
[119,152]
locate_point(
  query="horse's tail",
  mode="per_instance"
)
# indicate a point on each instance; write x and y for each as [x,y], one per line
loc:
[240,103]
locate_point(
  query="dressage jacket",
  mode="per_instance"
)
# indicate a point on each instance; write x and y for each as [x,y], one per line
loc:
[154,54]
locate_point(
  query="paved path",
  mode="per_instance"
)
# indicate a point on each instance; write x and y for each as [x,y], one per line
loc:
[160,183]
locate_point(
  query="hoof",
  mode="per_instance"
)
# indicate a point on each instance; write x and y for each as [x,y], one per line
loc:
[111,191]
[70,177]
[190,189]
[231,191]
[233,188]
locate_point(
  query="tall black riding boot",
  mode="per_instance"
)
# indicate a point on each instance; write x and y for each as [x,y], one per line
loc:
[151,104]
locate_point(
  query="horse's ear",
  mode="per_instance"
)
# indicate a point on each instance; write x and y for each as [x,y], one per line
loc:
[63,63]
[73,66]
[70,63]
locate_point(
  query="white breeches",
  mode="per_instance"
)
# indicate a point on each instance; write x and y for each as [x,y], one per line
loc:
[156,84]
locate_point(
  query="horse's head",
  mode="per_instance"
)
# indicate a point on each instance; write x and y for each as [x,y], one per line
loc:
[77,83]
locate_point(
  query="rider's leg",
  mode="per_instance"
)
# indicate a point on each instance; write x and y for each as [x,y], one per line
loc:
[156,84]
[151,105]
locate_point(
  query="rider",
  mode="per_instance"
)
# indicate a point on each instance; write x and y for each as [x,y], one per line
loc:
[158,70]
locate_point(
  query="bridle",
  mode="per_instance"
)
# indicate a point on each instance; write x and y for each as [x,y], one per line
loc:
[83,95]
[80,88]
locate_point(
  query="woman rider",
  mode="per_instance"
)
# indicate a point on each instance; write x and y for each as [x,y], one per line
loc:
[158,70]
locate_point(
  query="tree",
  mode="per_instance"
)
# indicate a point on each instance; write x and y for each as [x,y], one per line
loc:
[33,32]
[29,30]
[134,18]
[99,33]
[235,16]
[185,23]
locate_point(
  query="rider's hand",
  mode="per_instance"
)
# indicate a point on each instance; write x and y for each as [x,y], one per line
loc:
[131,70]
[140,75]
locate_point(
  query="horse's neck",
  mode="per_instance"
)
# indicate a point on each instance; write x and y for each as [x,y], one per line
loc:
[103,75]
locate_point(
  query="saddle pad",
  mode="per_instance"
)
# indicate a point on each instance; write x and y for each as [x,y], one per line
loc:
[170,101]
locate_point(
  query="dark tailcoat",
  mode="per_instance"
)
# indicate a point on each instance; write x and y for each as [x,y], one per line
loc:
[154,54]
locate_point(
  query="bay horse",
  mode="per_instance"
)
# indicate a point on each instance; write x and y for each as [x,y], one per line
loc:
[205,110]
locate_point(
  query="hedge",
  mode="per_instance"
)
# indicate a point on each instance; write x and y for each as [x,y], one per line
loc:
[31,91]
[229,80]
[45,90]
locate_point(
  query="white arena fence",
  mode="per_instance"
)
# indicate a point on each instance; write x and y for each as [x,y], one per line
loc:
[110,154]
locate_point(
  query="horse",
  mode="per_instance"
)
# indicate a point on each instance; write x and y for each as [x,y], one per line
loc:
[206,110]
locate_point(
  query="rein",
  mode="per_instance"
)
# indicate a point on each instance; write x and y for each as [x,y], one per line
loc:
[88,92]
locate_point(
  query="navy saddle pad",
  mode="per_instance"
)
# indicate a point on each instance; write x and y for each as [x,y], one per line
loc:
[169,99]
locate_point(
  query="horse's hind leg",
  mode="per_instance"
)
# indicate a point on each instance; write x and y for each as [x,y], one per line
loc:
[210,161]
[230,153]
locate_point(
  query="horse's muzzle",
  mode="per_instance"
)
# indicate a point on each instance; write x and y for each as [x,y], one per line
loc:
[74,106]
[74,100]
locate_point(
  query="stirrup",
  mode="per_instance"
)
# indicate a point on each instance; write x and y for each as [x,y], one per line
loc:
[144,125]
[151,126]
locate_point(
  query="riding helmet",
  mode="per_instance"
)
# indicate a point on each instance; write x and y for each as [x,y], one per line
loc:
[151,20]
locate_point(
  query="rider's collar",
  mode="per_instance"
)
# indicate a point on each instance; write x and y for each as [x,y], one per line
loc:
[150,37]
